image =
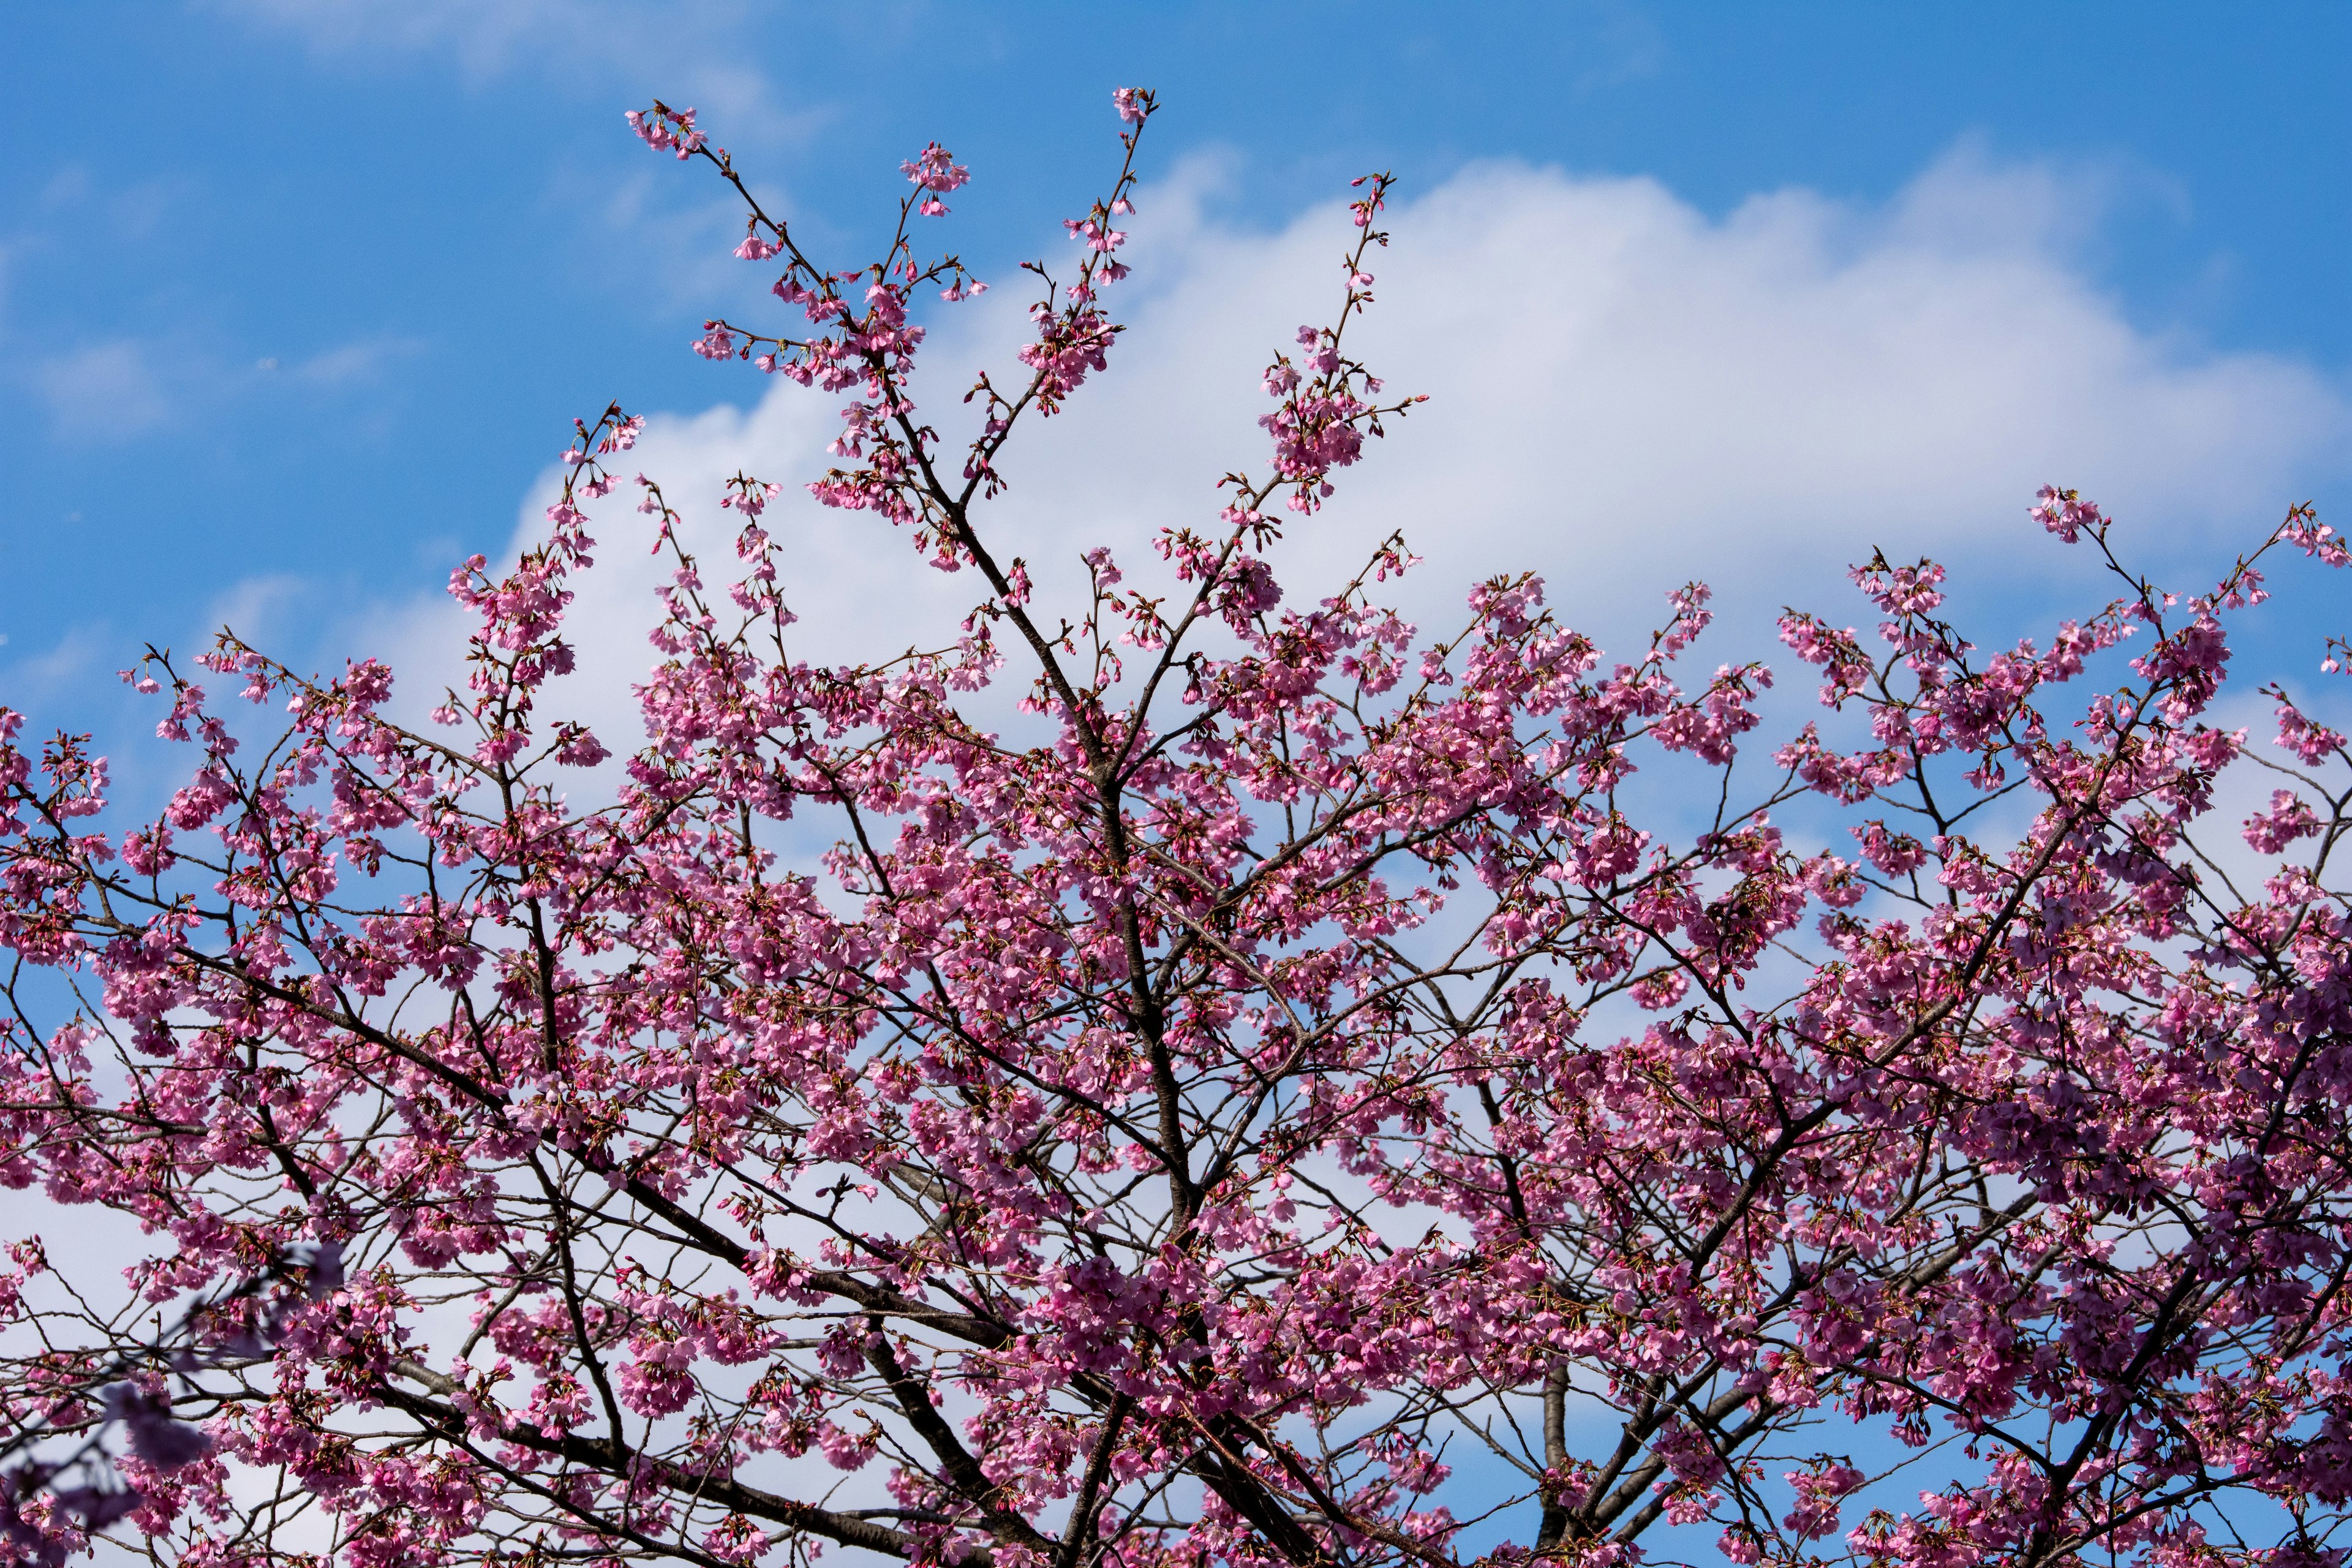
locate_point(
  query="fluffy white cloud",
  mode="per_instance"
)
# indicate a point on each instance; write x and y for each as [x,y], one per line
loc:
[1624,393]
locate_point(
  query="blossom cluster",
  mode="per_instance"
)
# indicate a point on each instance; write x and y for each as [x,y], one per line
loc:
[1313,1091]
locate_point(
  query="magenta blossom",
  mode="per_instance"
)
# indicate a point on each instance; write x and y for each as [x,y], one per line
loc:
[1300,1091]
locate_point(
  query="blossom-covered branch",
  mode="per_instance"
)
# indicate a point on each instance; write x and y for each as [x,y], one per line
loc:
[1297,1098]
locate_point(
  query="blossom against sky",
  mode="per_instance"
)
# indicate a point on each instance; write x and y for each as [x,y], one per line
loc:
[296,300]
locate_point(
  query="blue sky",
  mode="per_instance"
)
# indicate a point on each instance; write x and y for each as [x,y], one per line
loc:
[296,300]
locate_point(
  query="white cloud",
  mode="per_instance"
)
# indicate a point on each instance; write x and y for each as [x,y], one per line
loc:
[106,392]
[257,609]
[361,360]
[122,388]
[75,659]
[1624,394]
[1621,45]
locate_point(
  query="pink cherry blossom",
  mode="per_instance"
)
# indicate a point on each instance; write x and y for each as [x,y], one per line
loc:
[1304,1089]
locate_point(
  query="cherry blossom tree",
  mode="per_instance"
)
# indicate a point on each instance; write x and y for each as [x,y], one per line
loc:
[1297,1090]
